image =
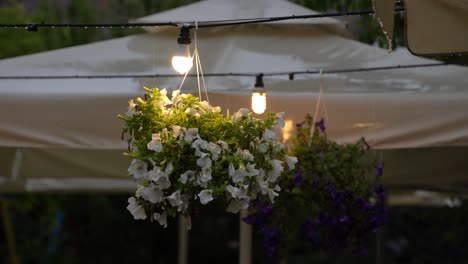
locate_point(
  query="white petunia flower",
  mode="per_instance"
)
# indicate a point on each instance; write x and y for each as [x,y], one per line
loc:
[261,174]
[134,148]
[239,114]
[216,109]
[204,161]
[223,144]
[272,194]
[231,170]
[233,191]
[276,171]
[245,154]
[291,161]
[153,195]
[169,169]
[160,178]
[155,144]
[150,193]
[188,175]
[239,176]
[278,146]
[265,189]
[175,199]
[269,135]
[131,111]
[279,121]
[191,111]
[138,168]
[215,150]
[204,106]
[164,97]
[200,144]
[262,148]
[205,175]
[251,170]
[135,209]
[161,218]
[184,205]
[238,193]
[206,196]
[175,97]
[163,183]
[191,134]
[236,205]
[178,130]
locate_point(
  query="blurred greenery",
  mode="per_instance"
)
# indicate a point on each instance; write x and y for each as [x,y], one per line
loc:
[96,228]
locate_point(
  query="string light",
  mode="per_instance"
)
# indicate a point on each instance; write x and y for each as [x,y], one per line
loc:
[259,96]
[221,74]
[182,61]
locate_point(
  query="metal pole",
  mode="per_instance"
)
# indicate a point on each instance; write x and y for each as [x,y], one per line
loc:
[245,240]
[183,241]
[378,247]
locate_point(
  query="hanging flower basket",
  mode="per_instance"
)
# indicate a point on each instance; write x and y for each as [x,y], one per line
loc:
[186,153]
[331,201]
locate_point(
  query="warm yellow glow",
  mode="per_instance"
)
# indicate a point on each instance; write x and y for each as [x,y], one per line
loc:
[182,61]
[288,129]
[258,102]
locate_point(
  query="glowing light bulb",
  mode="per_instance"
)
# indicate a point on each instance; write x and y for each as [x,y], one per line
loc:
[258,102]
[259,96]
[182,61]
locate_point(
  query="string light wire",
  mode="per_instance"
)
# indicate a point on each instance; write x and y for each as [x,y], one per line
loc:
[240,74]
[201,24]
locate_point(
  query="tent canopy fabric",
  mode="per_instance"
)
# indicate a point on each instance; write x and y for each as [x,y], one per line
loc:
[65,134]
[216,10]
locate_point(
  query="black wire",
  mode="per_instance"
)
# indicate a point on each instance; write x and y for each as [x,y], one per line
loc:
[201,24]
[243,74]
[282,18]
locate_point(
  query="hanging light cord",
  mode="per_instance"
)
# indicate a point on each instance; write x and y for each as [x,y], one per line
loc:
[201,24]
[247,74]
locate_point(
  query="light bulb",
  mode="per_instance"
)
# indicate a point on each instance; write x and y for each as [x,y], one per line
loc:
[258,102]
[182,61]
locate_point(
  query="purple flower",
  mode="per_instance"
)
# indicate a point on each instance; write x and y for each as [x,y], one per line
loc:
[250,219]
[380,191]
[264,208]
[329,188]
[364,204]
[270,241]
[380,169]
[297,180]
[321,125]
[344,219]
[320,218]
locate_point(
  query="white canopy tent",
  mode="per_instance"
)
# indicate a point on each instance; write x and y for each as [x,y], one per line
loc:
[60,135]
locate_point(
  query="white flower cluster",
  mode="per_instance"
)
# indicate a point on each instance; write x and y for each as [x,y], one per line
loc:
[170,185]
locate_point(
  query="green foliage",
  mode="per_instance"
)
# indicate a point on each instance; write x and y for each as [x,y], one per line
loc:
[14,42]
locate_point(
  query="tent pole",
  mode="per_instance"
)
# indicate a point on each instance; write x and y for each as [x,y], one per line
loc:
[9,232]
[183,241]
[245,240]
[378,247]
